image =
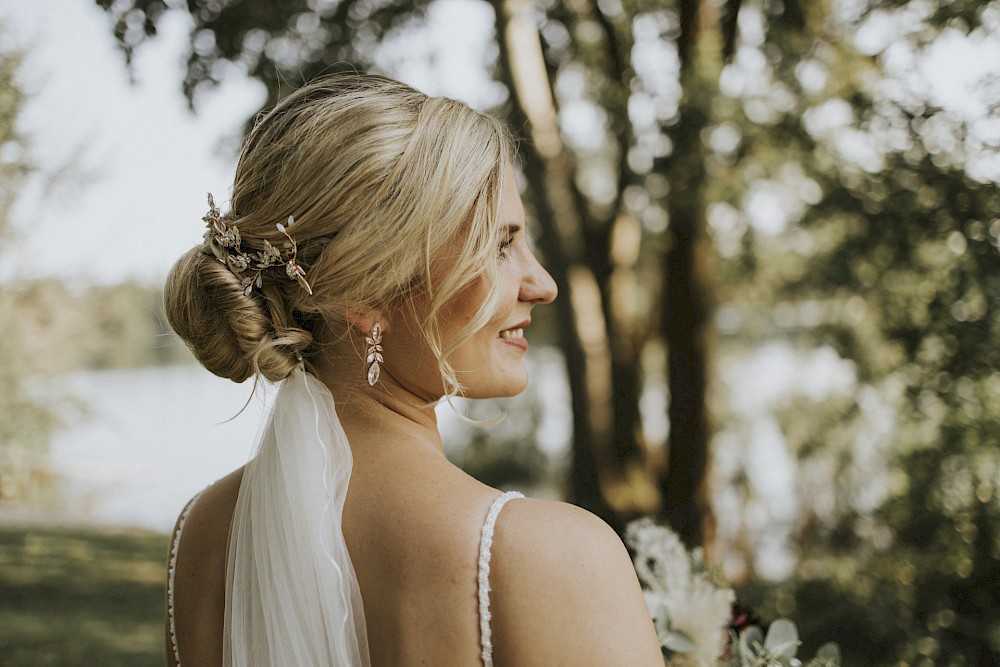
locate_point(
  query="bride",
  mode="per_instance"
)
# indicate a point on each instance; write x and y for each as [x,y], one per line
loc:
[374,260]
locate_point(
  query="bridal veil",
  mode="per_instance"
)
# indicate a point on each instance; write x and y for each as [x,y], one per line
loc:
[292,596]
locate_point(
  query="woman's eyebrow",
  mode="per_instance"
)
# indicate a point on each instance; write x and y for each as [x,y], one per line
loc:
[512,228]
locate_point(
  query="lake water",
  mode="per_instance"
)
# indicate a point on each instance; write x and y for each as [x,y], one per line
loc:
[153,438]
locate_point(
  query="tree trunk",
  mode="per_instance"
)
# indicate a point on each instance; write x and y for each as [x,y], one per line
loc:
[550,186]
[684,486]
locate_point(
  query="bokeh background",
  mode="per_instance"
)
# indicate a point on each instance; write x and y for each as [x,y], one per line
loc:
[775,226]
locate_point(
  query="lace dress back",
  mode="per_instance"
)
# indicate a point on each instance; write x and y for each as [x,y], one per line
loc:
[485,553]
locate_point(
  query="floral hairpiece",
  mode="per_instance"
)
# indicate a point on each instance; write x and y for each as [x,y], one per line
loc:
[227,237]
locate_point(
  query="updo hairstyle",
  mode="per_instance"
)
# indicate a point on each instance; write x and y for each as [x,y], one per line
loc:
[380,178]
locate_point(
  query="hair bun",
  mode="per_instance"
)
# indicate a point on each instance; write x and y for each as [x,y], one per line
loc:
[231,333]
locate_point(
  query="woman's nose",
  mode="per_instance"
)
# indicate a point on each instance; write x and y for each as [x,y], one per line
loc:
[537,285]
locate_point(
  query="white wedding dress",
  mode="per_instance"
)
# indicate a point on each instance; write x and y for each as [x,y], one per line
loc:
[292,596]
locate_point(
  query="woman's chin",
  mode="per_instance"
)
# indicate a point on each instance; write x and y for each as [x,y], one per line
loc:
[511,386]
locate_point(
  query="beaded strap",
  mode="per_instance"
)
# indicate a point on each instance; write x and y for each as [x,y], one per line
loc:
[485,549]
[171,571]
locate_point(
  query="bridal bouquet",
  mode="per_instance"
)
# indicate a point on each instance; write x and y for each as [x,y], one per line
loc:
[691,610]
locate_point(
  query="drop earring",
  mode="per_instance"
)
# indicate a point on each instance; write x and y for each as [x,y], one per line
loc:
[374,357]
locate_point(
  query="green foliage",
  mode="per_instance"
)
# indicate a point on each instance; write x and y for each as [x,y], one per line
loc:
[112,326]
[25,419]
[280,44]
[77,597]
[890,257]
[14,160]
[778,648]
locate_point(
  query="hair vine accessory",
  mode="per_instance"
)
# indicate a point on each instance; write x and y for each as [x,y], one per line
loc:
[228,239]
[374,354]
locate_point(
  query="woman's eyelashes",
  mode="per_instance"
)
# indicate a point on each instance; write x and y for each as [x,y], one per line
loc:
[511,234]
[503,247]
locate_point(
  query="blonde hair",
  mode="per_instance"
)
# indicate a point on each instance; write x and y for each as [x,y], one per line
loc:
[380,179]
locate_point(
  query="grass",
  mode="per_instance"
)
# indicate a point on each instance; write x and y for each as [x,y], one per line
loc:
[81,597]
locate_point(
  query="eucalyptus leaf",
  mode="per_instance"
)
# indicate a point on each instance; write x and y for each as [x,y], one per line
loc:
[751,638]
[677,641]
[829,651]
[782,638]
[662,624]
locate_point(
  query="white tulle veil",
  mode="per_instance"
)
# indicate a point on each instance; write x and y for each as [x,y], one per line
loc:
[292,595]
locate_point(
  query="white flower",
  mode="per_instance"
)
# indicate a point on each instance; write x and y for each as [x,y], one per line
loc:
[689,611]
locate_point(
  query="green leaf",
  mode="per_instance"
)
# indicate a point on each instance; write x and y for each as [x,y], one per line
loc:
[751,640]
[677,641]
[782,638]
[829,651]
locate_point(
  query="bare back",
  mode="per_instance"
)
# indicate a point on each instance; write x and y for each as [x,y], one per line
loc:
[412,525]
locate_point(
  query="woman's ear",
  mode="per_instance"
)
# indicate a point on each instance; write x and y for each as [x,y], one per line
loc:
[363,320]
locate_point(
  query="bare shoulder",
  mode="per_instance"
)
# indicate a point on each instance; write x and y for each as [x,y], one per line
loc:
[205,537]
[565,591]
[215,500]
[561,529]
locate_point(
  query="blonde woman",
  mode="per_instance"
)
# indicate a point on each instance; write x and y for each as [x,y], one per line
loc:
[374,260]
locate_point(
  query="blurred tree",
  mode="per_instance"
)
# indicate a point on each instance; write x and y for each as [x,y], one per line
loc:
[14,161]
[867,218]
[25,420]
[114,326]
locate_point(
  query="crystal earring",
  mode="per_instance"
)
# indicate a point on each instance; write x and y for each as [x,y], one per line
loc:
[374,357]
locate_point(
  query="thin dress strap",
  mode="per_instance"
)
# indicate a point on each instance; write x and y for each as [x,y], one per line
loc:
[171,572]
[485,549]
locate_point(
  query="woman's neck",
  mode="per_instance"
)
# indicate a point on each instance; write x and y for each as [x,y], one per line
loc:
[386,415]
